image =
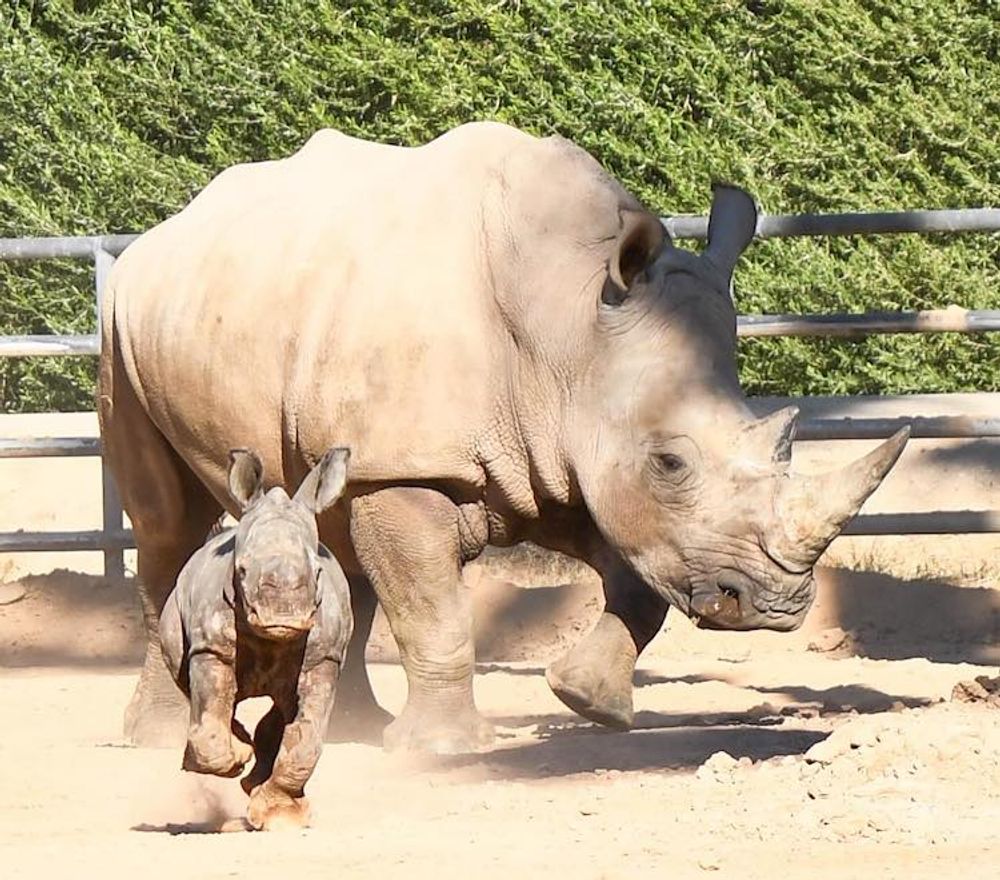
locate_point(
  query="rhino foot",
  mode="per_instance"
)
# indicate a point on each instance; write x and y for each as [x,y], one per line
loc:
[216,752]
[586,699]
[439,734]
[595,678]
[273,809]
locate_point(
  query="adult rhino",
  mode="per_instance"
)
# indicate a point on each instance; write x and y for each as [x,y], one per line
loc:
[514,350]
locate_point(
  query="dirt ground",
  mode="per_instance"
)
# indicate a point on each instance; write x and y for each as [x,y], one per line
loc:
[834,751]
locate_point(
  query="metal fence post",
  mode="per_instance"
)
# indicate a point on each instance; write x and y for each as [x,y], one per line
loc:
[111,505]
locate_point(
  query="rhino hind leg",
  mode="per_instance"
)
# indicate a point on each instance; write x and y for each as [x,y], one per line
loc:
[171,513]
[595,677]
[357,716]
[407,541]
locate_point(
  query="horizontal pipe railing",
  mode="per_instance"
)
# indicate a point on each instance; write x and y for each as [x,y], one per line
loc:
[74,247]
[30,542]
[49,345]
[871,323]
[49,447]
[866,223]
[921,427]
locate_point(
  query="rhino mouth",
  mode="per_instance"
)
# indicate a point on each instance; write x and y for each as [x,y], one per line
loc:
[733,602]
[279,628]
[721,605]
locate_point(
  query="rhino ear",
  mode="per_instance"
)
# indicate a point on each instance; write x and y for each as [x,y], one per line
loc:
[246,477]
[639,244]
[324,483]
[732,225]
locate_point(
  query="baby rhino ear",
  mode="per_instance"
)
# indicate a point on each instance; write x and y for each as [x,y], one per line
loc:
[324,483]
[246,477]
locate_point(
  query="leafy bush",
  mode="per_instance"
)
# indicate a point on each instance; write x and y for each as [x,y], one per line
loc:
[114,112]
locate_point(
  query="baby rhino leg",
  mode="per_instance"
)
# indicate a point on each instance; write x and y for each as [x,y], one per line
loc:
[279,801]
[213,746]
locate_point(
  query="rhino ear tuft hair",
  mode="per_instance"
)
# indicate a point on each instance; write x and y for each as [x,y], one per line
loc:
[639,243]
[324,484]
[732,225]
[246,476]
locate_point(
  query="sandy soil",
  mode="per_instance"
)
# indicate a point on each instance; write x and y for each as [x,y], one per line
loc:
[833,751]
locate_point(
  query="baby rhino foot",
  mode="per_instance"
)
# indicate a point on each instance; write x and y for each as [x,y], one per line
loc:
[272,809]
[215,751]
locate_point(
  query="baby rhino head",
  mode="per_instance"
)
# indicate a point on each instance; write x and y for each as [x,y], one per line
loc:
[277,558]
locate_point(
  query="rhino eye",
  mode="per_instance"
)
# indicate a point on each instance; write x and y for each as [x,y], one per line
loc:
[241,572]
[670,463]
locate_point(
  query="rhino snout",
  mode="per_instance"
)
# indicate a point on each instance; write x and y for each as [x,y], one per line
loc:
[281,608]
[735,602]
[280,626]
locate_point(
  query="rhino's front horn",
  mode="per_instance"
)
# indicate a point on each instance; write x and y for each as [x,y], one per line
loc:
[732,224]
[813,509]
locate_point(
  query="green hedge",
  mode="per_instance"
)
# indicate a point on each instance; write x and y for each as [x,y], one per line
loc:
[112,114]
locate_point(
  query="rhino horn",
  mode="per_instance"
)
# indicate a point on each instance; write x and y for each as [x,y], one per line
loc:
[771,437]
[814,509]
[732,224]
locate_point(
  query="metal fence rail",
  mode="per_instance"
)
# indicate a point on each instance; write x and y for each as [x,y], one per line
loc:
[102,250]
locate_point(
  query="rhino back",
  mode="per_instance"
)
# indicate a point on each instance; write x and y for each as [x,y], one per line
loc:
[336,295]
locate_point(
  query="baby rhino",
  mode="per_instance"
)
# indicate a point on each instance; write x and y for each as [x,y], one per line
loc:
[262,609]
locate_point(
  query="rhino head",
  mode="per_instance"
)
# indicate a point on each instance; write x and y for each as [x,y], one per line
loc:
[680,477]
[277,550]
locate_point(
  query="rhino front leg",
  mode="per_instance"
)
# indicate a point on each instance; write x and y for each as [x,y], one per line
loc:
[279,801]
[595,678]
[214,745]
[407,540]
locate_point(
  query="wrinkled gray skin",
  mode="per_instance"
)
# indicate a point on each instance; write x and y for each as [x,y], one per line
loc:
[516,352]
[262,610]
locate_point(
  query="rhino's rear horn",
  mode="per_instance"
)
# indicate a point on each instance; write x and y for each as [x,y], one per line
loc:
[771,437]
[813,509]
[732,225]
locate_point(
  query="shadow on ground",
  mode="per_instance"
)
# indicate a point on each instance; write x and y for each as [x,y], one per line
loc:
[888,618]
[68,619]
[681,748]
[674,741]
